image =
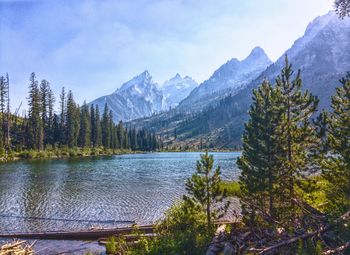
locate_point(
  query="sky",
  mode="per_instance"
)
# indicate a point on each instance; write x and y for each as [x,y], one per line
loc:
[92,47]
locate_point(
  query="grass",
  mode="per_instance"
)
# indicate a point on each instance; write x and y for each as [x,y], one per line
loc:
[232,187]
[63,152]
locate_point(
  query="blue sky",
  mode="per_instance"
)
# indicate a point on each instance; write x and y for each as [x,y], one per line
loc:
[93,46]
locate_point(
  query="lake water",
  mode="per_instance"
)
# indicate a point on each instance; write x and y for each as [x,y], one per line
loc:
[79,193]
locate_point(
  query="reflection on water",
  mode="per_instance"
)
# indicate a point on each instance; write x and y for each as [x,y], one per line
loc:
[52,194]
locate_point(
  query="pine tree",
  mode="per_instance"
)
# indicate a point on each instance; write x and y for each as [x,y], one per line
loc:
[2,109]
[72,121]
[7,141]
[51,101]
[296,133]
[85,126]
[35,128]
[98,135]
[105,124]
[63,117]
[120,135]
[111,130]
[277,149]
[45,94]
[336,163]
[259,163]
[204,189]
[56,129]
[126,144]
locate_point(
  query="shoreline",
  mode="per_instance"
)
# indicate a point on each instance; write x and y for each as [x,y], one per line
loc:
[79,153]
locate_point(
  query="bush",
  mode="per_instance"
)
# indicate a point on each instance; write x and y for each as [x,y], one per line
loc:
[116,245]
[232,188]
[41,154]
[182,231]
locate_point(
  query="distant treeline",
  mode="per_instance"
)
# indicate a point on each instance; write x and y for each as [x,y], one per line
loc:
[72,126]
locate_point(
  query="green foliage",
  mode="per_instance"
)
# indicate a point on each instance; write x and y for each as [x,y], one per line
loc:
[111,246]
[204,188]
[336,163]
[259,162]
[232,188]
[309,247]
[63,134]
[183,230]
[187,226]
[276,144]
[116,245]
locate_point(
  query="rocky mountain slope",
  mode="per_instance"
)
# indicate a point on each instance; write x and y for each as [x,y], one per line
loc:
[177,88]
[323,56]
[142,97]
[231,77]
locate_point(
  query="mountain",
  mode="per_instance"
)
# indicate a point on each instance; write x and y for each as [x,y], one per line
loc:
[177,88]
[231,77]
[323,57]
[136,98]
[141,97]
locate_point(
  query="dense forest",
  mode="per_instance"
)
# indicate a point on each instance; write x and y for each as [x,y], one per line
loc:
[41,129]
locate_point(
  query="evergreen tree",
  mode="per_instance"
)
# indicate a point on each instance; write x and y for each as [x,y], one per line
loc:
[63,116]
[51,101]
[121,135]
[204,189]
[7,142]
[2,109]
[35,128]
[259,163]
[56,129]
[336,163]
[72,121]
[85,126]
[112,130]
[98,135]
[126,144]
[93,125]
[277,150]
[296,133]
[105,124]
[45,94]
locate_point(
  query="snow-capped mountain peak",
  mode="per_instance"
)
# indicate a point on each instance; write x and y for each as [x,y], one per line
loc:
[141,80]
[177,88]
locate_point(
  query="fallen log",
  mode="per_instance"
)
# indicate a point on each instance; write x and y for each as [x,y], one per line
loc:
[304,236]
[93,234]
[338,250]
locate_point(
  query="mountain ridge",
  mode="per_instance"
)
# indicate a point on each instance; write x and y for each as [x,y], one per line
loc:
[322,54]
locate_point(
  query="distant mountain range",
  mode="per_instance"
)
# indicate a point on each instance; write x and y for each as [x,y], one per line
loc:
[231,77]
[141,97]
[220,104]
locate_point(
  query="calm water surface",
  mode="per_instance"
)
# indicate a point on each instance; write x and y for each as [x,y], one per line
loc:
[80,193]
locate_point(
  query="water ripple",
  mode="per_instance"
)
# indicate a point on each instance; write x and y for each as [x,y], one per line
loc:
[136,187]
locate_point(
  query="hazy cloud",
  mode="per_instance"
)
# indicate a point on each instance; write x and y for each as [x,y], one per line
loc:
[92,47]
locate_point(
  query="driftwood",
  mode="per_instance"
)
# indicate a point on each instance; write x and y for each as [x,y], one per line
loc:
[17,248]
[338,250]
[93,234]
[304,236]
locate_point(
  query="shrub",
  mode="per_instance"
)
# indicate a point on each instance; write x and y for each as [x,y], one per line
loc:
[182,231]
[116,245]
[232,188]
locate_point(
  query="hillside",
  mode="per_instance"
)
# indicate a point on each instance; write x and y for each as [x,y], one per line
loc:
[322,54]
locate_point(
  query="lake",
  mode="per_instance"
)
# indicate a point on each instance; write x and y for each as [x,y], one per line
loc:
[67,194]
